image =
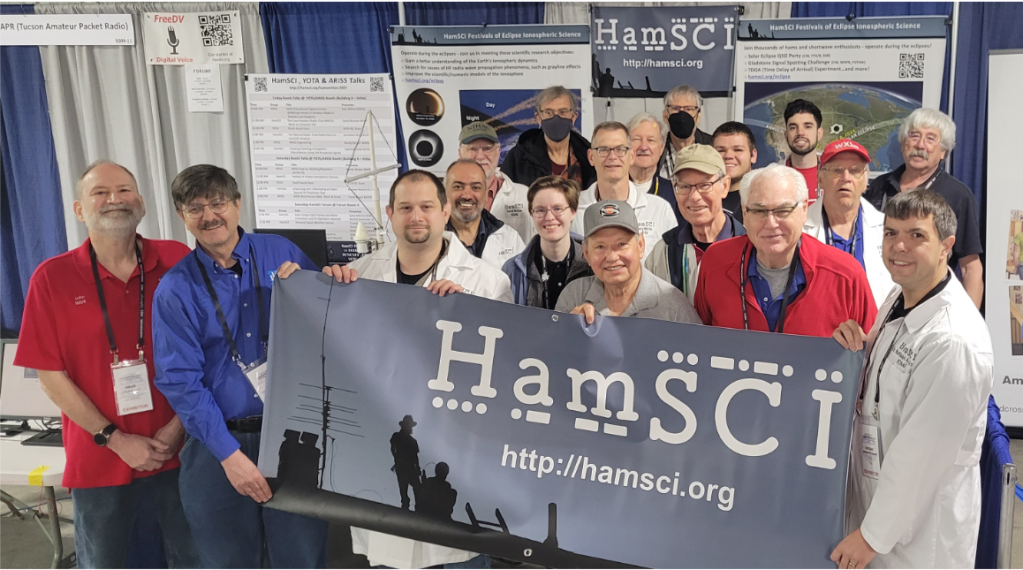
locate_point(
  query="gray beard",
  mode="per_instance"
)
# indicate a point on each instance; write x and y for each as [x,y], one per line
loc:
[115,225]
[467,219]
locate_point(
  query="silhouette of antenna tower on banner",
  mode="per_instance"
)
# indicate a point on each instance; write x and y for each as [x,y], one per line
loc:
[364,242]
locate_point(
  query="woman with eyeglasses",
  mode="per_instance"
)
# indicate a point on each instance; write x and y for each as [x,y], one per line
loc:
[555,148]
[554,257]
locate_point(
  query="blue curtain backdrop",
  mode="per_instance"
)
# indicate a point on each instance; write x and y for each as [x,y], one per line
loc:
[473,13]
[31,212]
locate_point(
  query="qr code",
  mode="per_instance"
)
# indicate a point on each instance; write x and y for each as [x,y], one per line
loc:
[215,30]
[376,84]
[911,66]
[260,84]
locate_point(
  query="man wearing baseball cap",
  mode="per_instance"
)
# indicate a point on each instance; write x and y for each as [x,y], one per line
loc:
[620,286]
[845,220]
[700,183]
[506,200]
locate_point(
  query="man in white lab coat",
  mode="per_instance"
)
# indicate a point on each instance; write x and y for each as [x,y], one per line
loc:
[482,234]
[914,478]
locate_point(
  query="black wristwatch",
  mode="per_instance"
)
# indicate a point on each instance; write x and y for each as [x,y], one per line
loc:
[103,437]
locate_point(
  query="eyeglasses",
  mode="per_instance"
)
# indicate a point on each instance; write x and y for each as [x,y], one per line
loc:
[702,187]
[605,151]
[541,213]
[930,140]
[761,214]
[195,210]
[856,171]
[563,113]
[672,109]
[485,149]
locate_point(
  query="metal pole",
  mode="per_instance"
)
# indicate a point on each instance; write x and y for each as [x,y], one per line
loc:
[1005,522]
[952,75]
[401,13]
[55,538]
[373,167]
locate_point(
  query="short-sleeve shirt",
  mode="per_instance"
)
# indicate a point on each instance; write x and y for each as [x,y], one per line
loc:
[63,330]
[958,196]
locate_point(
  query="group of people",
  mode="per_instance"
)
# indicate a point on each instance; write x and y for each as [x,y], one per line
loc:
[157,354]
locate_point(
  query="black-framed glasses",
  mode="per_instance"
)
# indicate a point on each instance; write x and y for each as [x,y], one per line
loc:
[195,210]
[605,151]
[702,187]
[672,109]
[761,214]
[563,113]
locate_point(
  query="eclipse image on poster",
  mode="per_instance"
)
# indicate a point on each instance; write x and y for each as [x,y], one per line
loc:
[425,148]
[425,107]
[510,111]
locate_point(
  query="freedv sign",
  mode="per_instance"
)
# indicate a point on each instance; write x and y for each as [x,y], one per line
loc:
[67,30]
[526,434]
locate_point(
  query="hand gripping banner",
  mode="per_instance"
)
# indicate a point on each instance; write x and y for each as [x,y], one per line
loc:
[528,435]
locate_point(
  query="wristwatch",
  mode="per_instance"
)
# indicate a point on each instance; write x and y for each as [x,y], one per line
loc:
[103,437]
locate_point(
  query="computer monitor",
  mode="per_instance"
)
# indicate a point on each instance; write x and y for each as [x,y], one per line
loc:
[21,396]
[312,242]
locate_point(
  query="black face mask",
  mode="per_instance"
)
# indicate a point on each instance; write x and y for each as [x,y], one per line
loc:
[682,125]
[556,128]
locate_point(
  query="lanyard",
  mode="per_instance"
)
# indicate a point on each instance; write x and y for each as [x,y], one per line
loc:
[784,299]
[235,355]
[829,234]
[877,374]
[103,302]
[926,186]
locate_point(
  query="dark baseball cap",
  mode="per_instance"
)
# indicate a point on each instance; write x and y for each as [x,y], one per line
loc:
[610,214]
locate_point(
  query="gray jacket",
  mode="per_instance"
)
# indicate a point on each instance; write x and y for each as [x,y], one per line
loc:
[655,299]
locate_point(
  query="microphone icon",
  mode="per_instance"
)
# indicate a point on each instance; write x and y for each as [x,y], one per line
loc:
[172,40]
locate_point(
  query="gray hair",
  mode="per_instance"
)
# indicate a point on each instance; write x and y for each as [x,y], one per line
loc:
[552,93]
[681,90]
[925,118]
[920,203]
[203,181]
[80,185]
[774,173]
[641,118]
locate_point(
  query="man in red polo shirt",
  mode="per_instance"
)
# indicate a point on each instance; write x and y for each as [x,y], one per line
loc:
[771,279]
[87,329]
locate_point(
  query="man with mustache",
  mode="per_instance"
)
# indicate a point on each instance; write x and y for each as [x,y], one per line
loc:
[683,108]
[647,135]
[84,333]
[843,219]
[926,137]
[553,149]
[803,132]
[211,319]
[483,235]
[613,156]
[505,199]
[738,148]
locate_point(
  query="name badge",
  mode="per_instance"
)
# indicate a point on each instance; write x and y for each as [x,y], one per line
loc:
[870,450]
[256,374]
[131,387]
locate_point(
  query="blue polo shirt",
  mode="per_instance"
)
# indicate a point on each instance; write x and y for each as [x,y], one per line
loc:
[854,245]
[194,367]
[762,289]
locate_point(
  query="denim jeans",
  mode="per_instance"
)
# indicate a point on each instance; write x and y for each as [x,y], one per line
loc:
[104,516]
[231,529]
[478,561]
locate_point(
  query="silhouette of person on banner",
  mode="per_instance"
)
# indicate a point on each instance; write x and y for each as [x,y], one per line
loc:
[405,450]
[436,497]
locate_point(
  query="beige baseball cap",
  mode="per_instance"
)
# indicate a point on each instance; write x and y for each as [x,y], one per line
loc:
[477,130]
[699,157]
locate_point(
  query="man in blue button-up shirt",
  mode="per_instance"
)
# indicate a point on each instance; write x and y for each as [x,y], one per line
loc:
[200,371]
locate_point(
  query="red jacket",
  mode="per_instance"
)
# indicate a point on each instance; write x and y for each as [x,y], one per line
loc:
[836,290]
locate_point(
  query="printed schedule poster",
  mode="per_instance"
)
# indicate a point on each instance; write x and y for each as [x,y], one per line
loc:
[307,134]
[865,75]
[446,77]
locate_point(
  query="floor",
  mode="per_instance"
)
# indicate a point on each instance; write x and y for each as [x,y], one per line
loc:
[23,545]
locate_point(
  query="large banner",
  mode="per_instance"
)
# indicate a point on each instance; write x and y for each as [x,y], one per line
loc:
[1003,293]
[526,434]
[644,52]
[308,134]
[446,77]
[865,75]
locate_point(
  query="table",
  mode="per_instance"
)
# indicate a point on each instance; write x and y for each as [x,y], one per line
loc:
[36,466]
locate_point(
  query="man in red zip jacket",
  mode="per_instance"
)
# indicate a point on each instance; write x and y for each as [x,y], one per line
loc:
[771,279]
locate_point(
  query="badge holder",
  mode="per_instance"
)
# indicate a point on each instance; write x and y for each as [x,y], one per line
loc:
[132,391]
[256,375]
[867,431]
